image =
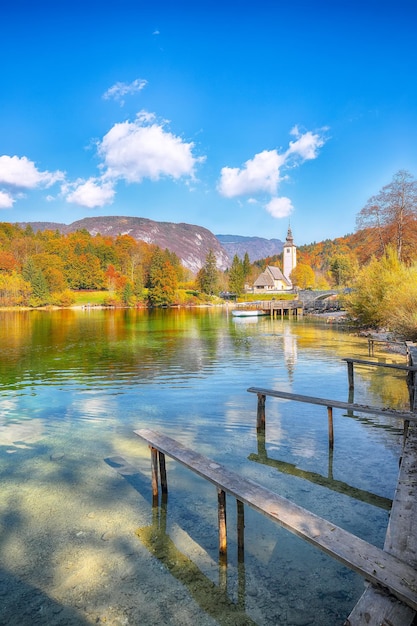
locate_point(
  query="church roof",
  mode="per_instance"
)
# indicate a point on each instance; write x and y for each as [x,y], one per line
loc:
[275,272]
[264,280]
[270,276]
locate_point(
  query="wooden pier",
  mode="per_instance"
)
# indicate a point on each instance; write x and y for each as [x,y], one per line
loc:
[274,308]
[390,598]
[380,567]
[375,607]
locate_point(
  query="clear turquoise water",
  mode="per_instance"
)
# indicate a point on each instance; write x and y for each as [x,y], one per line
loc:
[73,387]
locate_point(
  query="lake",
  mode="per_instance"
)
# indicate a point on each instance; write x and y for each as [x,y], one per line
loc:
[80,542]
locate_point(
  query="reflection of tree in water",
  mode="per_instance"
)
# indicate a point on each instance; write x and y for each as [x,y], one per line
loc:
[386,386]
[107,345]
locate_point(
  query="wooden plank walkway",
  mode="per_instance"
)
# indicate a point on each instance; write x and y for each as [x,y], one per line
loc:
[376,608]
[375,565]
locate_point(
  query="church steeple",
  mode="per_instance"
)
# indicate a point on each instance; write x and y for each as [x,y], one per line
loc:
[289,255]
[290,239]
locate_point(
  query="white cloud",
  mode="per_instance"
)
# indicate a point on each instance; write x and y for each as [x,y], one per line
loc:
[145,149]
[21,173]
[260,174]
[306,145]
[6,200]
[91,193]
[119,90]
[279,207]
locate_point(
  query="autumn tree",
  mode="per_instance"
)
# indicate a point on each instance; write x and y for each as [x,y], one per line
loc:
[302,276]
[83,271]
[343,269]
[8,262]
[128,253]
[14,290]
[370,302]
[401,310]
[390,217]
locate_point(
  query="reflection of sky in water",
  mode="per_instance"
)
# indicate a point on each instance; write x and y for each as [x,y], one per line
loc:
[89,382]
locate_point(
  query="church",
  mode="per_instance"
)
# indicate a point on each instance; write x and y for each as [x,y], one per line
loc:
[272,278]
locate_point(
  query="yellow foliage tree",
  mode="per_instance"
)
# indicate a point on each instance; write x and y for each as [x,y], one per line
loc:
[302,276]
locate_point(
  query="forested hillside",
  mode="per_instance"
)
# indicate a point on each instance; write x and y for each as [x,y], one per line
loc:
[45,267]
[379,261]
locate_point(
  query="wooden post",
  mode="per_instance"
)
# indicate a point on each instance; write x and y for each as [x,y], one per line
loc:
[330,465]
[163,474]
[240,532]
[154,464]
[221,498]
[330,420]
[370,347]
[350,375]
[351,397]
[260,422]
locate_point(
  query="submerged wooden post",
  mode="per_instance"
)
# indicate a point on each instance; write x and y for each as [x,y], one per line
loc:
[154,465]
[163,474]
[260,421]
[240,531]
[221,497]
[330,420]
[350,374]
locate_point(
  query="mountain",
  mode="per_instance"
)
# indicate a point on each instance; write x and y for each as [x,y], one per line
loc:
[190,243]
[256,247]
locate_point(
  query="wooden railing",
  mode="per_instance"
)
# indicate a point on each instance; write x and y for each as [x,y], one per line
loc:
[351,407]
[374,564]
[410,369]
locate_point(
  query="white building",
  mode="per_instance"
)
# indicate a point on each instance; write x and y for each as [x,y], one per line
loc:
[272,279]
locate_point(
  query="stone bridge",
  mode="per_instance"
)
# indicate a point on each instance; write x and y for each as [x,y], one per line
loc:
[319,300]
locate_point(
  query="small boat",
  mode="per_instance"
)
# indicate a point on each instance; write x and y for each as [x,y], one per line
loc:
[248,312]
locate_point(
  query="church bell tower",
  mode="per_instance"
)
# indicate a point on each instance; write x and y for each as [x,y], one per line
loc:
[289,255]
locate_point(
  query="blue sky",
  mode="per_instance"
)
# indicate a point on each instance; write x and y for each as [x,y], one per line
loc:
[240,116]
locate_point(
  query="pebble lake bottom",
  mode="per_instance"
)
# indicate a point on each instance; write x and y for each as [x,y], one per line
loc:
[80,542]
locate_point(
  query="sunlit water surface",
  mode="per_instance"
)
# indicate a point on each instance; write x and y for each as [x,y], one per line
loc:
[79,538]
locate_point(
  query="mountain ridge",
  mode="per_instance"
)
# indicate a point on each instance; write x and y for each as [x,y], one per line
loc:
[191,243]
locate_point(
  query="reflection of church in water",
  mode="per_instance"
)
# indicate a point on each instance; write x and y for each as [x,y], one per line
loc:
[272,278]
[289,345]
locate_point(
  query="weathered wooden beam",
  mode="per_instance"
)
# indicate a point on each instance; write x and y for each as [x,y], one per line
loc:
[395,366]
[336,404]
[350,362]
[374,564]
